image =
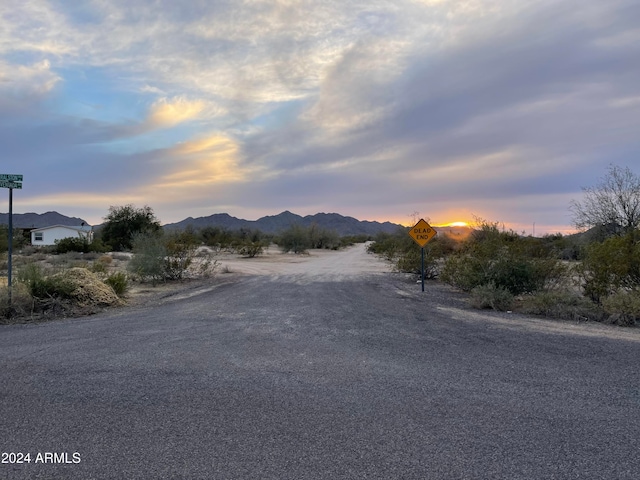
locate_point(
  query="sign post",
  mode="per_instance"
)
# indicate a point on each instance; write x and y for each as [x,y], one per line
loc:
[10,181]
[422,233]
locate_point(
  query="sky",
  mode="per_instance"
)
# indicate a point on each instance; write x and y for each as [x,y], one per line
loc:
[451,110]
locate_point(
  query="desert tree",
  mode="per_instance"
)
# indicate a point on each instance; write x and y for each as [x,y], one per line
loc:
[614,203]
[123,223]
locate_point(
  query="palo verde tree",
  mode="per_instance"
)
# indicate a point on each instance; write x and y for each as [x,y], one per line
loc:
[613,204]
[123,223]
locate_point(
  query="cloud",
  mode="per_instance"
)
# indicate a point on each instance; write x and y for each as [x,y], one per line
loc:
[166,113]
[22,85]
[379,106]
[200,163]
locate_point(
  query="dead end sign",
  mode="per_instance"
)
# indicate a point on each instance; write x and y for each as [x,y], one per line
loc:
[422,233]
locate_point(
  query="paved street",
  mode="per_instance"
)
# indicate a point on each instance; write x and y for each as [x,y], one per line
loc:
[325,372]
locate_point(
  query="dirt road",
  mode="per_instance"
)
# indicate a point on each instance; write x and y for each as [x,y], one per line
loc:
[317,265]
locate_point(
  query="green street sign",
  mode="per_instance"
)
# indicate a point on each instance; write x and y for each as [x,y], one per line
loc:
[7,177]
[5,184]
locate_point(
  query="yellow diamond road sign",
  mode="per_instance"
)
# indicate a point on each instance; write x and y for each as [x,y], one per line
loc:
[422,232]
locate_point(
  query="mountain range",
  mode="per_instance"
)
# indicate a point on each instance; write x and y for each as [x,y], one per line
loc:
[276,223]
[39,220]
[269,224]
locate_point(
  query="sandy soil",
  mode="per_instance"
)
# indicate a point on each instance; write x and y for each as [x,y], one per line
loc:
[314,266]
[320,265]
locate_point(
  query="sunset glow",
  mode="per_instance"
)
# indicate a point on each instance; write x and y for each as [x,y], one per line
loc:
[454,224]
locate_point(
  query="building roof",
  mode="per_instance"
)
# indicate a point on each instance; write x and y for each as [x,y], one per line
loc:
[83,228]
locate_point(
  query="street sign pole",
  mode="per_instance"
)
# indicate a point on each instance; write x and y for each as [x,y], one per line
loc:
[422,266]
[9,262]
[422,233]
[10,181]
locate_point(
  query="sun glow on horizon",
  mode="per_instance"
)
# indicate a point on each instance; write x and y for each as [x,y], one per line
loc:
[453,224]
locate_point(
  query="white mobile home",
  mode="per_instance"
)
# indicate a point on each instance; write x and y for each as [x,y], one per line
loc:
[49,235]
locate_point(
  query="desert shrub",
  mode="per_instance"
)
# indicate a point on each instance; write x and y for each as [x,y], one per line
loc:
[561,304]
[43,286]
[323,238]
[18,238]
[207,264]
[162,257]
[248,248]
[29,250]
[410,261]
[386,245]
[609,266]
[105,259]
[119,282]
[71,245]
[101,264]
[148,261]
[22,303]
[216,237]
[33,277]
[503,259]
[400,249]
[491,296]
[98,267]
[348,240]
[82,288]
[294,239]
[623,307]
[66,258]
[299,239]
[181,249]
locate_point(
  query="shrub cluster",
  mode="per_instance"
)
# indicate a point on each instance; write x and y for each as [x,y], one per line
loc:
[37,290]
[400,249]
[81,245]
[505,260]
[243,241]
[168,256]
[299,239]
[610,266]
[20,239]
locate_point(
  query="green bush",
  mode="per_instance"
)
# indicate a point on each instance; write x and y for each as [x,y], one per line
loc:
[505,260]
[248,248]
[19,240]
[148,261]
[491,296]
[162,257]
[119,282]
[44,286]
[79,245]
[560,304]
[295,239]
[400,249]
[623,307]
[72,244]
[609,266]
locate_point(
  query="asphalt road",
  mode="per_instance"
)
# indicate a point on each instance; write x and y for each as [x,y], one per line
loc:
[299,375]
